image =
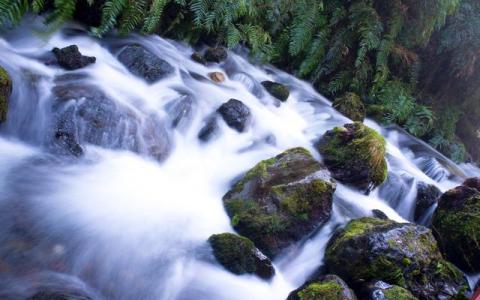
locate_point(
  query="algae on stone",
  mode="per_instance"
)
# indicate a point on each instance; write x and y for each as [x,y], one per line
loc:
[5,92]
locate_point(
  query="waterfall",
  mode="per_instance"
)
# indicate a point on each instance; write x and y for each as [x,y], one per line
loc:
[129,218]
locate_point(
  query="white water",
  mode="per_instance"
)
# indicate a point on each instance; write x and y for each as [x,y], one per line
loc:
[134,228]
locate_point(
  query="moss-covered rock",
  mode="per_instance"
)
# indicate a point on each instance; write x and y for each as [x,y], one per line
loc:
[406,255]
[239,255]
[328,287]
[281,200]
[5,92]
[351,106]
[277,90]
[383,291]
[456,223]
[355,154]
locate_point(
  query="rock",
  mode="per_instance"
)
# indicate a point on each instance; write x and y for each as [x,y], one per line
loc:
[328,287]
[456,223]
[236,114]
[383,291]
[216,54]
[83,114]
[355,154]
[198,58]
[281,200]
[181,111]
[379,214]
[217,76]
[239,255]
[277,90]
[70,58]
[427,195]
[58,295]
[5,92]
[351,106]
[143,63]
[406,255]
[209,130]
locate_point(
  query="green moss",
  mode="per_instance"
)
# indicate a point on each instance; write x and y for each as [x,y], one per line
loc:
[398,293]
[328,290]
[277,90]
[387,270]
[5,91]
[351,106]
[364,149]
[234,252]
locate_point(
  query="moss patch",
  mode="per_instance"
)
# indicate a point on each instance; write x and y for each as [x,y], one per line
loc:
[398,293]
[5,91]
[351,106]
[319,291]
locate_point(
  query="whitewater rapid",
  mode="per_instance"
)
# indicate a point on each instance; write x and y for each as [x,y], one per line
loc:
[132,227]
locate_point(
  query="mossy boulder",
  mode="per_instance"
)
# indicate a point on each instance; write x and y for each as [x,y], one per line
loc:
[351,106]
[355,154]
[239,255]
[277,90]
[5,92]
[456,223]
[281,200]
[383,291]
[402,254]
[327,287]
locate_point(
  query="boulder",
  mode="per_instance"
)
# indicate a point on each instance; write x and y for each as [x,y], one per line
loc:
[351,106]
[403,254]
[383,291]
[70,58]
[377,213]
[143,63]
[355,154]
[327,287]
[239,255]
[215,54]
[277,90]
[456,223]
[236,114]
[427,195]
[217,77]
[5,92]
[281,200]
[198,58]
[83,114]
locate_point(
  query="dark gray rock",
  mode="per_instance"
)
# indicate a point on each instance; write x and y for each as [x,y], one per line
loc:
[180,111]
[209,130]
[277,90]
[380,290]
[427,195]
[198,58]
[379,214]
[143,63]
[216,54]
[70,58]
[236,114]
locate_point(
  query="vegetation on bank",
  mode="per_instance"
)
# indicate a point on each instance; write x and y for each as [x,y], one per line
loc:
[404,59]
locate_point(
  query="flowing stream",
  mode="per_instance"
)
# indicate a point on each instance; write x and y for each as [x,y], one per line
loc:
[130,218]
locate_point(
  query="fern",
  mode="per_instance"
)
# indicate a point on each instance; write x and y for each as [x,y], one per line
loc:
[111,10]
[154,15]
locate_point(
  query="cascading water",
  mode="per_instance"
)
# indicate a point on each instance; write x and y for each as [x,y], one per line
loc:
[131,217]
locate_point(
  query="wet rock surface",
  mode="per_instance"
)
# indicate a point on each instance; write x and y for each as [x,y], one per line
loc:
[236,114]
[5,92]
[216,54]
[383,291]
[400,254]
[145,64]
[281,200]
[277,90]
[427,195]
[239,255]
[70,58]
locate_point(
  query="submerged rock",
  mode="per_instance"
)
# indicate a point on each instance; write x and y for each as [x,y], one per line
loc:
[406,255]
[383,291]
[86,115]
[456,223]
[327,287]
[281,200]
[277,90]
[5,92]
[236,114]
[58,295]
[351,106]
[355,154]
[209,130]
[216,54]
[143,63]
[70,58]
[239,255]
[427,195]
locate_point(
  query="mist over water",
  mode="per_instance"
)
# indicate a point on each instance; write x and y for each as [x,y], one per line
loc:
[123,223]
